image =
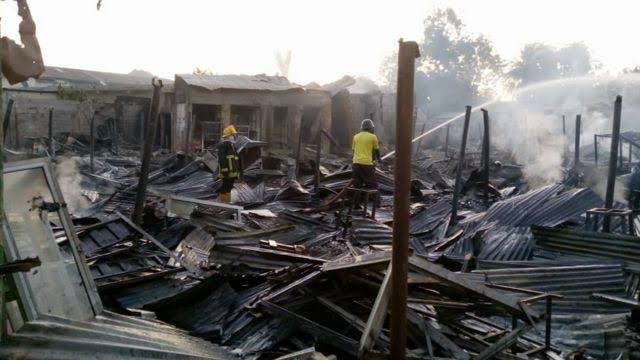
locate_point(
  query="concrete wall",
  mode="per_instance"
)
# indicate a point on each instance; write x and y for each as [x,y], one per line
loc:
[263,102]
[30,115]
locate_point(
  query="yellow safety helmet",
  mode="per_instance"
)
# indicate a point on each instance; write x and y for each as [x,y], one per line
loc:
[228,131]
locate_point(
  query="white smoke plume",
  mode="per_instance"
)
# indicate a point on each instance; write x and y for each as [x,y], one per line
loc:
[69,180]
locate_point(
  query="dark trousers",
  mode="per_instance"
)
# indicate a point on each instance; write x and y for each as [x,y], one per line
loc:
[364,176]
[227,185]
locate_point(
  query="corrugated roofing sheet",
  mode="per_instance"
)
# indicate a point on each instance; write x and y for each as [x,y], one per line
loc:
[259,82]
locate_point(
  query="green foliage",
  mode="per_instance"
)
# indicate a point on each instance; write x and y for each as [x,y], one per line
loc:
[455,67]
[542,62]
[68,93]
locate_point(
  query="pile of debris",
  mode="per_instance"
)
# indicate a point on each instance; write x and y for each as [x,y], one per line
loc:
[289,270]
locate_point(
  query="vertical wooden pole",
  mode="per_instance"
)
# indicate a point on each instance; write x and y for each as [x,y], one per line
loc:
[446,143]
[458,184]
[92,142]
[486,145]
[613,160]
[7,118]
[424,126]
[150,128]
[50,142]
[595,148]
[407,53]
[576,150]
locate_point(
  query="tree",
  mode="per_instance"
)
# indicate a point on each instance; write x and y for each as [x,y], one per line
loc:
[541,62]
[455,68]
[202,71]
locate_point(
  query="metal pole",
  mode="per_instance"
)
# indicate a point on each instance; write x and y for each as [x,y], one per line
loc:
[458,185]
[595,148]
[92,141]
[51,149]
[446,144]
[407,53]
[485,155]
[150,127]
[576,151]
[564,126]
[7,118]
[613,158]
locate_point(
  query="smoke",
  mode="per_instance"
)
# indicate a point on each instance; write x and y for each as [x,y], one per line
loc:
[69,180]
[530,126]
[283,62]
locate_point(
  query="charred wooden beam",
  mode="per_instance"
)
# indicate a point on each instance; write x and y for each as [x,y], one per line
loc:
[458,185]
[149,136]
[506,341]
[7,118]
[576,150]
[486,145]
[376,317]
[611,179]
[509,303]
[320,332]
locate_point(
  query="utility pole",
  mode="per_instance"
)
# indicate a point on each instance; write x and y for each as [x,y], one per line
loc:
[150,130]
[613,160]
[407,53]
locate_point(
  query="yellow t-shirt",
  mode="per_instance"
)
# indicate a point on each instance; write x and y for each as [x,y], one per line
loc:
[363,145]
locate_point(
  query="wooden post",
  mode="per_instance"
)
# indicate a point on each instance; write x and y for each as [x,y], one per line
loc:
[407,53]
[595,148]
[150,127]
[446,143]
[613,160]
[92,141]
[50,142]
[7,118]
[486,145]
[299,150]
[424,125]
[317,160]
[458,185]
[576,151]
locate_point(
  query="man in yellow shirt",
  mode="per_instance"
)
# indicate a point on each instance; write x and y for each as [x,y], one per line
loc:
[365,149]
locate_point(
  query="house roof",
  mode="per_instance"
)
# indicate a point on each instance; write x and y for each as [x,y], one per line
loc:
[259,82]
[88,79]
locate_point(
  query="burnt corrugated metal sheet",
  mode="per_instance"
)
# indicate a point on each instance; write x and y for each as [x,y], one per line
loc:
[547,206]
[259,82]
[589,243]
[108,336]
[506,243]
[575,283]
[428,219]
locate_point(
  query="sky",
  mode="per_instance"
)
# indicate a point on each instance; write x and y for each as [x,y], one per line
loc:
[328,38]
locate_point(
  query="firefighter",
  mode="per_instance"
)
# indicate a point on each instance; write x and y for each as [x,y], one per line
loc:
[365,149]
[229,163]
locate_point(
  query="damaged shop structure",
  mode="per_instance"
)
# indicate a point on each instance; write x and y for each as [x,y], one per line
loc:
[295,268]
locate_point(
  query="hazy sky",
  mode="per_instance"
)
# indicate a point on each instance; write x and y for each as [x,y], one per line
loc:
[329,38]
